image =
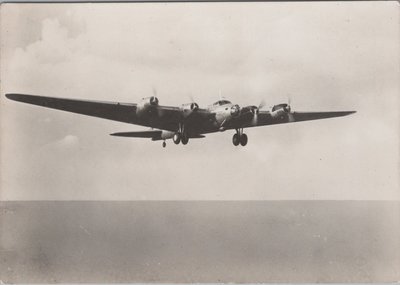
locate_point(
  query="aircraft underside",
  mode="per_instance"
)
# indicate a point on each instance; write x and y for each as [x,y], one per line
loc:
[181,137]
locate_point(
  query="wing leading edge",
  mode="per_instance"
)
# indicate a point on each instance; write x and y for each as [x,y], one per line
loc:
[122,112]
[168,118]
[265,118]
[308,116]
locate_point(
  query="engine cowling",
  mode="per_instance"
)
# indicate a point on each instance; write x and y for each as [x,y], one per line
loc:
[280,111]
[252,110]
[235,110]
[146,106]
[188,109]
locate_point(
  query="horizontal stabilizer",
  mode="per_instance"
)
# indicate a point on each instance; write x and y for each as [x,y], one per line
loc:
[155,135]
[142,134]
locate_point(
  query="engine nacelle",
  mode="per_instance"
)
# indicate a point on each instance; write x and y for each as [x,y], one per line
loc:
[188,109]
[253,110]
[235,110]
[280,111]
[146,106]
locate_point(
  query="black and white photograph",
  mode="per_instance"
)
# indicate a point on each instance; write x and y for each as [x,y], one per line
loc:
[200,142]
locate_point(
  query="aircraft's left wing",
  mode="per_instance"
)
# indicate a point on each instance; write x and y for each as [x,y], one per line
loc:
[308,116]
[264,118]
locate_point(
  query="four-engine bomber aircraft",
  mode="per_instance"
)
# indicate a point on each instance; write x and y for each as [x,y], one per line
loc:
[180,123]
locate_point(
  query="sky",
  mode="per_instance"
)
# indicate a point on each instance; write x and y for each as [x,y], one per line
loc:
[323,56]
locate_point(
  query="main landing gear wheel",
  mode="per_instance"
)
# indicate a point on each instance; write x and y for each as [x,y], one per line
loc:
[164,144]
[243,139]
[177,138]
[236,139]
[239,138]
[184,139]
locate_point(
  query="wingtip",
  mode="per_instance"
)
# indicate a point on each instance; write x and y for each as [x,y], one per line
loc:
[13,96]
[345,113]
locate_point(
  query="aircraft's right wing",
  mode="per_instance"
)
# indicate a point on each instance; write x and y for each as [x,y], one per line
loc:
[122,112]
[166,118]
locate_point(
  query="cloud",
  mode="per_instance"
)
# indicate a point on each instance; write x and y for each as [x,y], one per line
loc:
[325,56]
[68,141]
[52,48]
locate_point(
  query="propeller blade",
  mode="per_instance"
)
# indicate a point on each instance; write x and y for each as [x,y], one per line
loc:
[289,102]
[254,121]
[191,98]
[291,117]
[154,91]
[290,114]
[262,104]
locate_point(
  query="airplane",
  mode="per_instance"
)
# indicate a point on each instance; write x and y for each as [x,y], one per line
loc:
[182,123]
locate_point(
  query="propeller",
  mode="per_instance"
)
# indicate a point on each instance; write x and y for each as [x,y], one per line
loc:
[191,98]
[160,112]
[286,107]
[262,104]
[256,110]
[255,118]
[289,111]
[154,91]
[154,99]
[235,110]
[193,104]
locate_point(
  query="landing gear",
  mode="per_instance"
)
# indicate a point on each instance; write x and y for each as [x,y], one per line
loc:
[184,139]
[177,138]
[239,138]
[164,144]
[181,135]
[236,139]
[243,139]
[180,138]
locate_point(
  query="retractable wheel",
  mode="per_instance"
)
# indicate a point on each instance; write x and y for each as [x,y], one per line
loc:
[177,138]
[184,139]
[236,139]
[243,139]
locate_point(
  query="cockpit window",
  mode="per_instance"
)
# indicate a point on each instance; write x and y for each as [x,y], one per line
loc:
[221,102]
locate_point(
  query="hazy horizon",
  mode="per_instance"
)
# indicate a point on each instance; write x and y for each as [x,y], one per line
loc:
[200,242]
